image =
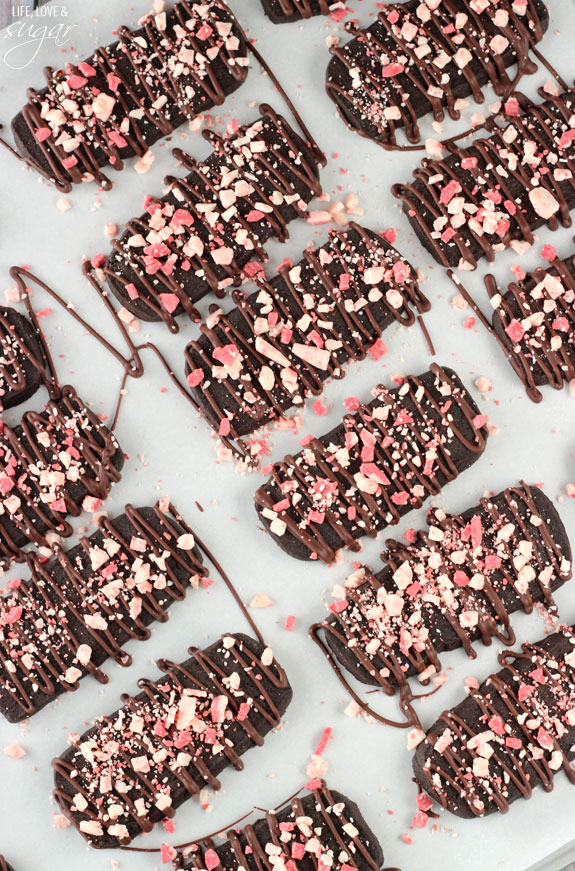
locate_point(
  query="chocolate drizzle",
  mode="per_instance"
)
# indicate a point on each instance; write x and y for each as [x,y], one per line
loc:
[130,94]
[380,463]
[48,464]
[280,343]
[290,833]
[78,609]
[456,584]
[512,733]
[492,194]
[137,766]
[294,10]
[213,221]
[415,59]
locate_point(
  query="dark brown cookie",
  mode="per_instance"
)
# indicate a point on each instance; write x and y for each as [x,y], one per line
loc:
[126,96]
[78,609]
[457,583]
[420,58]
[49,464]
[322,823]
[4,866]
[22,360]
[535,322]
[509,736]
[369,471]
[211,223]
[494,193]
[171,740]
[282,342]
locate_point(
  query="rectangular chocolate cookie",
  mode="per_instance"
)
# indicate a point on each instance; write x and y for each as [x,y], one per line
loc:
[494,193]
[48,464]
[78,609]
[135,767]
[212,222]
[282,11]
[126,96]
[534,323]
[322,825]
[456,583]
[420,58]
[509,736]
[4,866]
[282,342]
[377,465]
[22,360]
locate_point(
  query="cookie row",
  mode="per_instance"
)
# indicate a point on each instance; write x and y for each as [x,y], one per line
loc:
[127,95]
[283,341]
[80,607]
[377,465]
[448,587]
[494,193]
[204,232]
[421,58]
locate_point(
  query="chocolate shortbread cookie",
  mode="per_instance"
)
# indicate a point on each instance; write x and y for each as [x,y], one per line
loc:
[4,866]
[49,463]
[494,193]
[534,322]
[79,608]
[456,583]
[509,736]
[213,221]
[126,96]
[322,824]
[22,360]
[282,342]
[135,767]
[369,471]
[422,57]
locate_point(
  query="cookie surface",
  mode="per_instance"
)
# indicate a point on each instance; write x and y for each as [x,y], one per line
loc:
[456,584]
[510,735]
[373,468]
[322,823]
[494,193]
[171,740]
[200,236]
[49,463]
[22,363]
[126,96]
[282,342]
[282,11]
[420,58]
[78,609]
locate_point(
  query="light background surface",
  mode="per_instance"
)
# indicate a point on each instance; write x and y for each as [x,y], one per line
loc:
[172,452]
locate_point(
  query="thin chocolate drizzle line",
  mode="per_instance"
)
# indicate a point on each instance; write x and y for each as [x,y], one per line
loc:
[392,671]
[22,451]
[287,304]
[78,597]
[370,513]
[421,74]
[23,277]
[161,697]
[470,789]
[556,365]
[202,186]
[538,124]
[155,88]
